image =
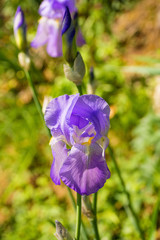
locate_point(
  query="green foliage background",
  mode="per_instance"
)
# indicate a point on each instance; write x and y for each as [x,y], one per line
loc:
[29,201]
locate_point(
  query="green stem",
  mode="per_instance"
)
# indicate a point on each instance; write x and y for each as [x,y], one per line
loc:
[71,197]
[130,206]
[74,205]
[94,220]
[79,87]
[78,217]
[35,97]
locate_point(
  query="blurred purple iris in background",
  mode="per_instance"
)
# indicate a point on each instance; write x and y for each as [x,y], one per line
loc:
[49,28]
[79,125]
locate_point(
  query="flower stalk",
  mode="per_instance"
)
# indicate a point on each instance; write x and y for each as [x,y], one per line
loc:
[35,97]
[78,218]
[94,220]
[74,205]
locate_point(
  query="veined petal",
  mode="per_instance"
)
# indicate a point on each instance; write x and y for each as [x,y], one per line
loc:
[60,153]
[41,37]
[56,8]
[96,110]
[78,121]
[51,9]
[54,46]
[85,170]
[58,112]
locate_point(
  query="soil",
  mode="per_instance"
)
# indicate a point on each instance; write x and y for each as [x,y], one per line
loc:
[138,30]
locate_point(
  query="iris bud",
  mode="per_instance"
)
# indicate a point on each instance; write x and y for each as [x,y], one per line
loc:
[69,38]
[61,232]
[20,29]
[77,72]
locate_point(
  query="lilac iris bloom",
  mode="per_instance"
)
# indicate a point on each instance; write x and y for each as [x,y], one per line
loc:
[79,125]
[49,28]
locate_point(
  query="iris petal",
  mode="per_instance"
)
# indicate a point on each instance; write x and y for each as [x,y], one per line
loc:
[41,37]
[54,46]
[78,121]
[96,110]
[85,170]
[55,8]
[58,114]
[59,152]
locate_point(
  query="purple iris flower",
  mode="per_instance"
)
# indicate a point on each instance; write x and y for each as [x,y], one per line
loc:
[79,125]
[49,28]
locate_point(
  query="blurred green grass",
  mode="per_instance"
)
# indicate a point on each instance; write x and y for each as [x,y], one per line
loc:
[29,201]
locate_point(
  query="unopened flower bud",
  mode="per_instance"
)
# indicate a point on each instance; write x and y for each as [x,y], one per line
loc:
[77,72]
[61,232]
[24,60]
[68,38]
[86,207]
[20,29]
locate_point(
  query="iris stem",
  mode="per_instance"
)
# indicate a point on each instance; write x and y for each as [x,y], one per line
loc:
[74,205]
[130,206]
[71,197]
[94,220]
[35,97]
[78,217]
[79,87]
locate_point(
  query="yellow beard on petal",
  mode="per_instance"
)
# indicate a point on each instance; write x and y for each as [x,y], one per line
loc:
[88,143]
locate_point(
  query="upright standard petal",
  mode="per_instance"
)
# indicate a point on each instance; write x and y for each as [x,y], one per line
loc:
[85,170]
[56,8]
[96,110]
[58,112]
[51,9]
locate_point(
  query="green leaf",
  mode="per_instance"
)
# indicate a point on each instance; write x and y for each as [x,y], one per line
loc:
[154,220]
